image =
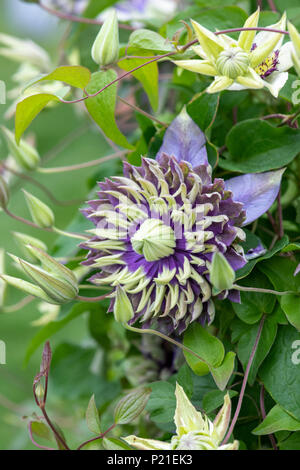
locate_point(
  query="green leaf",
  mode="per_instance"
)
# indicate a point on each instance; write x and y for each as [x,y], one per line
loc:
[94,8]
[150,41]
[291,247]
[92,417]
[256,146]
[241,273]
[148,76]
[290,304]
[53,327]
[223,373]
[280,373]
[162,402]
[281,273]
[112,443]
[215,399]
[206,345]
[102,107]
[253,304]
[247,341]
[277,420]
[208,104]
[41,430]
[292,443]
[74,75]
[28,109]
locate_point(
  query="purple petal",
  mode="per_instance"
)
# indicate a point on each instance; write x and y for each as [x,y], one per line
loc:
[257,191]
[185,141]
[297,270]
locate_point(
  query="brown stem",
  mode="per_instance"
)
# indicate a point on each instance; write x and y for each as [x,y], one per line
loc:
[263,414]
[98,437]
[39,446]
[80,166]
[141,111]
[42,187]
[272,6]
[77,19]
[245,380]
[92,299]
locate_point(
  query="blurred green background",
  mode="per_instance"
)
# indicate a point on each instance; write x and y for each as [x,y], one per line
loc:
[64,137]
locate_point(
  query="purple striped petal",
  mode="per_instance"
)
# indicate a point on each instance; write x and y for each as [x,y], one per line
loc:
[257,191]
[184,140]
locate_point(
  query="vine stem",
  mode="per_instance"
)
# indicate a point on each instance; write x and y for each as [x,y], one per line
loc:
[263,414]
[80,166]
[245,380]
[141,111]
[272,6]
[92,299]
[46,229]
[98,437]
[41,186]
[262,291]
[39,446]
[17,306]
[77,19]
[169,54]
[165,337]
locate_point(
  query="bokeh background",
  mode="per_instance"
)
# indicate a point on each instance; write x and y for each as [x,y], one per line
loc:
[63,138]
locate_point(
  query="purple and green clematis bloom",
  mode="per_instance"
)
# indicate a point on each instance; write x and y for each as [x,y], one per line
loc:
[158,226]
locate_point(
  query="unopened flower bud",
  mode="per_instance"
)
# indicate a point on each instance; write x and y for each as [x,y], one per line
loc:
[105,50]
[41,214]
[25,155]
[233,62]
[123,310]
[53,282]
[39,392]
[4,195]
[23,240]
[221,273]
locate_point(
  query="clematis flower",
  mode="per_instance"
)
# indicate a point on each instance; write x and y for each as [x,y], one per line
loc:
[158,226]
[193,430]
[253,61]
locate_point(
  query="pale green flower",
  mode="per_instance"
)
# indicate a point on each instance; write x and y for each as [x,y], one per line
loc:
[193,430]
[253,61]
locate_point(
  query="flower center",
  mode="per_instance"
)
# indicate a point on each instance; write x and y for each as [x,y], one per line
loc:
[266,68]
[154,240]
[194,440]
[233,62]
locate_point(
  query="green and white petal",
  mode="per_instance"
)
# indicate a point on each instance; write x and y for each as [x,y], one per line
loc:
[146,444]
[211,44]
[251,80]
[233,446]
[267,42]
[205,67]
[276,82]
[186,418]
[221,421]
[220,84]
[246,38]
[285,57]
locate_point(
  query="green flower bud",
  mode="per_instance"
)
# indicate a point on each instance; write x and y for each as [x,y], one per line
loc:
[221,273]
[233,62]
[123,310]
[4,195]
[41,214]
[131,406]
[25,155]
[23,239]
[54,282]
[105,50]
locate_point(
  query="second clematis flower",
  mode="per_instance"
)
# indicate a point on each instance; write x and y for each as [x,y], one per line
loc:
[159,225]
[193,431]
[254,61]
